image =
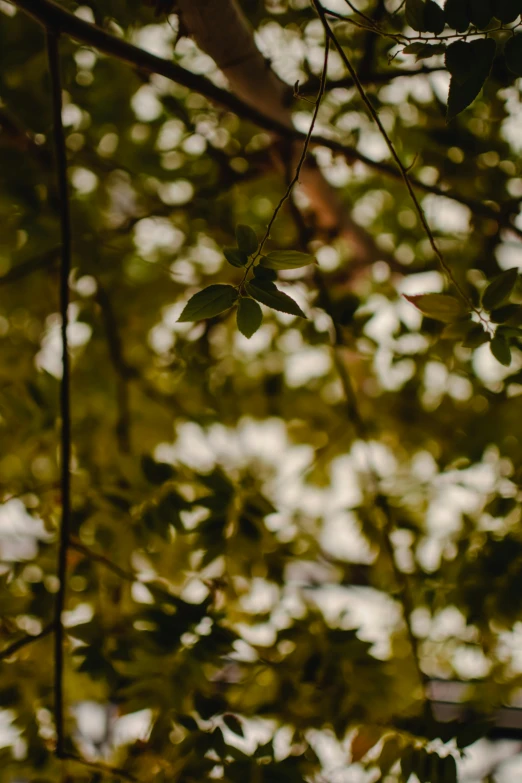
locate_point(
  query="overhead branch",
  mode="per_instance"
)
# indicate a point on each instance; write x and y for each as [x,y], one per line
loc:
[50,14]
[25,641]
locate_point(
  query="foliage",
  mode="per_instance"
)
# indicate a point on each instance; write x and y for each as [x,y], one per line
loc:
[296,442]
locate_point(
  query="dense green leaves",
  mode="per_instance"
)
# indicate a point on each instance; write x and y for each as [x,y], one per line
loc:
[213,300]
[242,511]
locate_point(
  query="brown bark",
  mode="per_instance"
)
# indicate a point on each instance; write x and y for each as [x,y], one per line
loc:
[222,31]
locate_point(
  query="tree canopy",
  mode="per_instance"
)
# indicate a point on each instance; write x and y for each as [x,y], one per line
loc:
[260,324]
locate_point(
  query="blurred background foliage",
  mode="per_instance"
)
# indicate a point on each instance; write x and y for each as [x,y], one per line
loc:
[281,546]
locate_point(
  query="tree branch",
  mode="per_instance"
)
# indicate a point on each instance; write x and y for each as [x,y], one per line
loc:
[98,766]
[393,152]
[50,14]
[7,652]
[65,404]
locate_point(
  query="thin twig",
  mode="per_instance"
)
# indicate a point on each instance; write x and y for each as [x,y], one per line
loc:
[128,576]
[362,432]
[7,652]
[302,158]
[50,14]
[43,261]
[402,169]
[65,406]
[99,766]
[123,372]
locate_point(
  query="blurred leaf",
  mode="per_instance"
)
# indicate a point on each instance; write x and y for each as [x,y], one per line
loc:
[156,472]
[246,239]
[234,724]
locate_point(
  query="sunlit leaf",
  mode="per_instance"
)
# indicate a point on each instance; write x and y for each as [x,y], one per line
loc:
[441,307]
[286,259]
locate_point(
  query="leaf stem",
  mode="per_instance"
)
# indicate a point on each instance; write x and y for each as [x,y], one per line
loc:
[304,152]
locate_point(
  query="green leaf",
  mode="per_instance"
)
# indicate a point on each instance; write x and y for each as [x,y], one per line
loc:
[407,764]
[414,48]
[471,733]
[263,273]
[457,330]
[457,15]
[500,350]
[234,724]
[390,753]
[267,293]
[500,289]
[209,302]
[448,769]
[469,65]
[476,336]
[513,54]
[434,19]
[249,316]
[415,15]
[235,257]
[458,61]
[421,765]
[156,472]
[424,50]
[246,239]
[434,768]
[509,314]
[506,11]
[441,307]
[286,259]
[480,13]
